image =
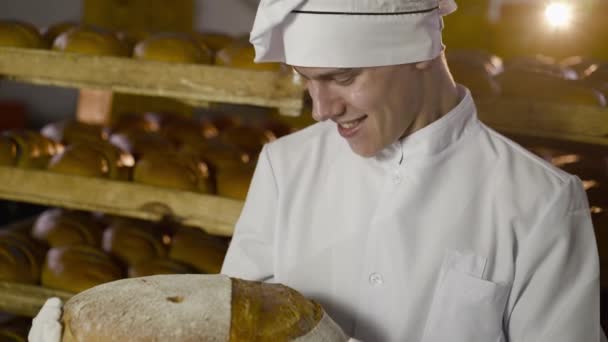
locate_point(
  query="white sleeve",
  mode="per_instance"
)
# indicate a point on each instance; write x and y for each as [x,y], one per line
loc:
[250,255]
[555,293]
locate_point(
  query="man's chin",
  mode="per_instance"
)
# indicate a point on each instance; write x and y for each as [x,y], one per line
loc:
[363,151]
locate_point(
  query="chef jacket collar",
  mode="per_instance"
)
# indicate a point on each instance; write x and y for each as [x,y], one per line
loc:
[435,137]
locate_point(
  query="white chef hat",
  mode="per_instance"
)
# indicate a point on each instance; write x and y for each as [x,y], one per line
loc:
[349,33]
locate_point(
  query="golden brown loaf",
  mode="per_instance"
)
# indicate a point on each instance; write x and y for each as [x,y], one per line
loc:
[93,159]
[33,149]
[80,160]
[20,34]
[544,87]
[248,138]
[147,122]
[270,312]
[58,227]
[90,41]
[8,152]
[215,41]
[20,258]
[177,171]
[182,131]
[69,132]
[173,48]
[203,251]
[158,266]
[77,268]
[240,55]
[190,308]
[233,182]
[220,155]
[133,241]
[140,143]
[52,32]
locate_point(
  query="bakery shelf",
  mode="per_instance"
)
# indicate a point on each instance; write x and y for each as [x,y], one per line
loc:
[565,122]
[26,300]
[216,215]
[192,83]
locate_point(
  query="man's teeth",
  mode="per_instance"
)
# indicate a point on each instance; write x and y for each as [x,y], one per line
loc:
[350,124]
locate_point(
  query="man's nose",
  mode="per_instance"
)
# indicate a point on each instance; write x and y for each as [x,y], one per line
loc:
[325,102]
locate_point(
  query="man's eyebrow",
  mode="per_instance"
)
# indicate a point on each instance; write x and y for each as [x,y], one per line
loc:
[328,74]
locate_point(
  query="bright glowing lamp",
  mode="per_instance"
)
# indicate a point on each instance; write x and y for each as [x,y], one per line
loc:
[558,14]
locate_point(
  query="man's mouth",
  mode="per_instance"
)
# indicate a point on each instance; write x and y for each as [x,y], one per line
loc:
[352,123]
[348,129]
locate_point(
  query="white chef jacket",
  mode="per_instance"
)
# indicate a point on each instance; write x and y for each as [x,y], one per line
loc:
[454,233]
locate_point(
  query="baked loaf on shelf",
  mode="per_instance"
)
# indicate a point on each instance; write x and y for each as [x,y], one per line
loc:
[20,258]
[233,182]
[19,34]
[240,54]
[198,249]
[90,41]
[173,170]
[77,268]
[195,308]
[133,241]
[173,48]
[58,227]
[33,149]
[8,152]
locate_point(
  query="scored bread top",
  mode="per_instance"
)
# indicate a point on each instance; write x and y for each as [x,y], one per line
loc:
[156,308]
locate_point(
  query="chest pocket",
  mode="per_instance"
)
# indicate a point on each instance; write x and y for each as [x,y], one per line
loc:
[465,307]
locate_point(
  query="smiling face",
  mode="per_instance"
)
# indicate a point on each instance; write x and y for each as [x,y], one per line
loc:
[372,107]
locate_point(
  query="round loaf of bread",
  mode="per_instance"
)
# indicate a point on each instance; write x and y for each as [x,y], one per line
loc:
[248,138]
[80,160]
[233,182]
[20,34]
[132,241]
[57,227]
[140,143]
[90,41]
[172,170]
[93,159]
[27,257]
[51,33]
[220,155]
[18,263]
[215,41]
[8,152]
[69,132]
[173,48]
[194,247]
[33,149]
[77,268]
[240,55]
[158,266]
[195,308]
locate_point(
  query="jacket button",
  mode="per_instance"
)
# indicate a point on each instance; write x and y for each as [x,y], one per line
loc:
[375,279]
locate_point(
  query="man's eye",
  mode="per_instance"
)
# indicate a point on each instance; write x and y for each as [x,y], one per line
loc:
[344,80]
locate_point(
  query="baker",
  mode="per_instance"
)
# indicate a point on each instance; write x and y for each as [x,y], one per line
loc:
[406,217]
[400,212]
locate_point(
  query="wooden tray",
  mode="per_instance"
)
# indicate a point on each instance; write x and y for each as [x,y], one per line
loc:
[572,123]
[26,300]
[216,215]
[192,83]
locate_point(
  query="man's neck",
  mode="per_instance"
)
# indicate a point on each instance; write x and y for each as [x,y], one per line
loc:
[441,95]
